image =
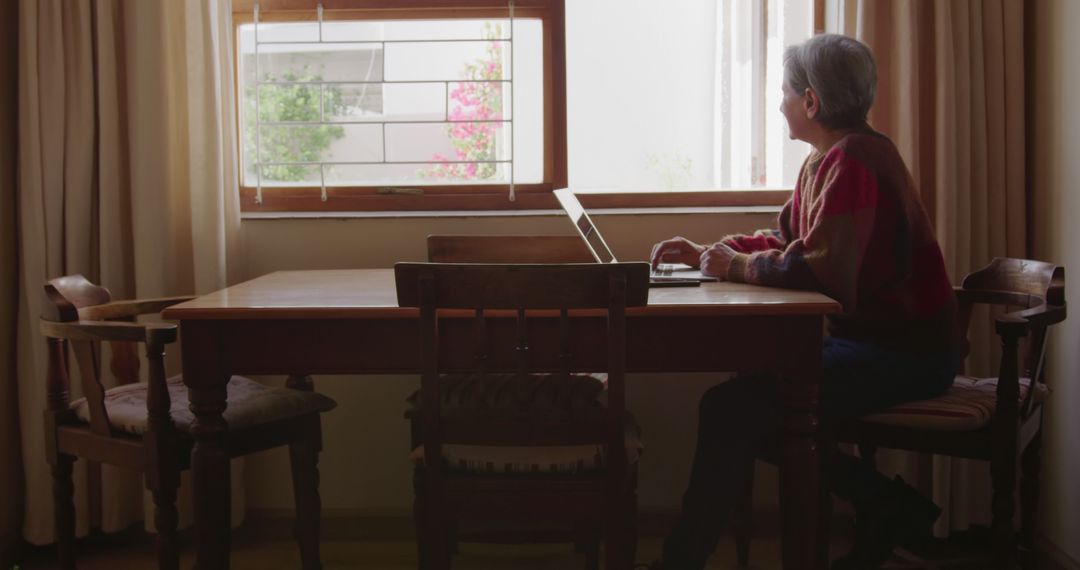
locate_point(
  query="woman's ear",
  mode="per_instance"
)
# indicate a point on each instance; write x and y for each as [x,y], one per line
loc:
[811,103]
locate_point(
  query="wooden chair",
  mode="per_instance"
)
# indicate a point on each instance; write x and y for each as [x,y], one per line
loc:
[507,249]
[146,426]
[996,419]
[522,391]
[518,249]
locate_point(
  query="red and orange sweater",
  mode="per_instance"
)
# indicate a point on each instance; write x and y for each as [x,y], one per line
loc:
[856,231]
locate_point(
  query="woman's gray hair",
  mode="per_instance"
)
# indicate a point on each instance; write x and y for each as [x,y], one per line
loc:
[841,70]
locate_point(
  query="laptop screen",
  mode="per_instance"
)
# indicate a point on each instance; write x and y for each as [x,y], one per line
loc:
[596,244]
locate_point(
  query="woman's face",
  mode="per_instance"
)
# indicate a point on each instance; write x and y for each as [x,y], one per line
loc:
[794,107]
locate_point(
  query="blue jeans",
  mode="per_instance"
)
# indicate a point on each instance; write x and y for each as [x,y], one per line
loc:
[740,420]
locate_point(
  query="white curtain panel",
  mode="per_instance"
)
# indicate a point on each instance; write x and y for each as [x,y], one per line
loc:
[127,174]
[750,139]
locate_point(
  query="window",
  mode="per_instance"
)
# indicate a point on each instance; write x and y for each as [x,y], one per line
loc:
[703,78]
[453,104]
[441,105]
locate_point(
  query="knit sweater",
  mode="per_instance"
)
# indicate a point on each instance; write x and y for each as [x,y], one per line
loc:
[855,230]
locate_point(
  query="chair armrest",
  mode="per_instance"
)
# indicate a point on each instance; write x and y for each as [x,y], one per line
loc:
[992,297]
[161,333]
[129,308]
[1018,323]
[1011,327]
[1044,315]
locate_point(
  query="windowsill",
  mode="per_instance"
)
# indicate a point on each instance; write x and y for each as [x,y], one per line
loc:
[661,211]
[347,203]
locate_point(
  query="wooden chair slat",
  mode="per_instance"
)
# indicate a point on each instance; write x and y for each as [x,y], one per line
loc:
[507,249]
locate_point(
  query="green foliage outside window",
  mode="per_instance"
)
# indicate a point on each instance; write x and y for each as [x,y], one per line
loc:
[292,103]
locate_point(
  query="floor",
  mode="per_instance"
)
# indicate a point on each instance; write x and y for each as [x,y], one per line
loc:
[380,544]
[134,549]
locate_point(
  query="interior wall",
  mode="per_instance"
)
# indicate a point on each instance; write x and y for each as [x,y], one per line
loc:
[364,467]
[1055,179]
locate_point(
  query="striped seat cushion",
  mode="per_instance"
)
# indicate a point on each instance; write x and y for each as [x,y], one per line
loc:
[249,404]
[968,405]
[543,397]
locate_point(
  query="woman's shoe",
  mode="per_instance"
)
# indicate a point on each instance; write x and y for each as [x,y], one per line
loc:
[900,516]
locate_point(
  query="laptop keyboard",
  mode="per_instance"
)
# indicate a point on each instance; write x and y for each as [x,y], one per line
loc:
[663,270]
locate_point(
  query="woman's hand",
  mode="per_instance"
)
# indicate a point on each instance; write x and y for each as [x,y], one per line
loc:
[676,250]
[715,260]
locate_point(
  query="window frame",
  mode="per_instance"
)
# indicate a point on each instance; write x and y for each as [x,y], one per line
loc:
[488,197]
[433,197]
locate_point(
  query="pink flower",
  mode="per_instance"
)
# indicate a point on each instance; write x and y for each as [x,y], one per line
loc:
[476,101]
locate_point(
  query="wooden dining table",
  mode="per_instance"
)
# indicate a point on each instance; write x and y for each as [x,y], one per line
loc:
[302,323]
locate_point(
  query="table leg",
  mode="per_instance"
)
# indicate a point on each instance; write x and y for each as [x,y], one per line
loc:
[800,474]
[210,476]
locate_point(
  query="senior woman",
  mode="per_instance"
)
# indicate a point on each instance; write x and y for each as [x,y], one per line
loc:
[855,230]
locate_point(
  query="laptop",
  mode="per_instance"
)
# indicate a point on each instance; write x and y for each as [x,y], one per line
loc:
[665,274]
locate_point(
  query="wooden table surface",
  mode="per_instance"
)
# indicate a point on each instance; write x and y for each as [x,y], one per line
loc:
[369,293]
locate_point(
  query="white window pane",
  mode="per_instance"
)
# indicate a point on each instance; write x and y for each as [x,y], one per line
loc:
[527,100]
[387,102]
[422,61]
[639,94]
[321,143]
[668,95]
[316,62]
[415,101]
[447,103]
[273,32]
[438,142]
[797,25]
[416,174]
[288,175]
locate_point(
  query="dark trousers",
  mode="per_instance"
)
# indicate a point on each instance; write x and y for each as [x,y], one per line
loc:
[740,420]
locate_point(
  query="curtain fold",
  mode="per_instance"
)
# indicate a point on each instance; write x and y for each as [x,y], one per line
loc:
[127,174]
[951,95]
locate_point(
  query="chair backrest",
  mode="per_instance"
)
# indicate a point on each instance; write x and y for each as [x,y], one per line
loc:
[1035,293]
[507,249]
[496,299]
[82,314]
[65,297]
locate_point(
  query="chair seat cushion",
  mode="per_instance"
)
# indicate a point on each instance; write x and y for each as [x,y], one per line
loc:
[249,404]
[968,405]
[547,397]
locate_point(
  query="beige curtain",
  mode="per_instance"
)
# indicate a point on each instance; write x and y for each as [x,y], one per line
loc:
[951,95]
[127,174]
